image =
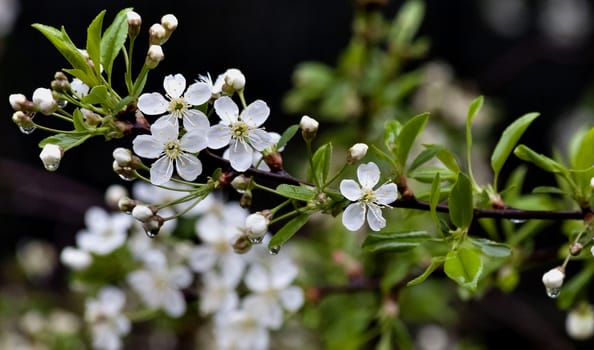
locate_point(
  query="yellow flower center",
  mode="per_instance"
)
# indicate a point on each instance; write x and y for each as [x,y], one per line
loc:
[240,130]
[177,107]
[172,149]
[368,195]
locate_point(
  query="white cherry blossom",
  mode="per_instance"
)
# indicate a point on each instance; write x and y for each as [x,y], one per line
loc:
[241,132]
[106,320]
[366,200]
[164,145]
[240,329]
[104,233]
[178,106]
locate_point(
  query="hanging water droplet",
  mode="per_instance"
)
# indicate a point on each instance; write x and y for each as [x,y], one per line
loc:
[152,233]
[517,221]
[553,292]
[274,250]
[256,240]
[62,103]
[52,166]
[26,129]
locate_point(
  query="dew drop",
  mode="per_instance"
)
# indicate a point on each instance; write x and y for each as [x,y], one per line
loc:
[553,292]
[256,240]
[27,129]
[52,166]
[152,233]
[517,221]
[274,250]
[62,103]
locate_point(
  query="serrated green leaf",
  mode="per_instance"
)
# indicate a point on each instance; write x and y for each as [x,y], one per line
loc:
[94,40]
[394,241]
[113,40]
[464,266]
[287,231]
[426,175]
[66,141]
[301,193]
[460,202]
[97,95]
[78,121]
[407,136]
[321,163]
[492,248]
[525,153]
[509,138]
[436,262]
[287,136]
[547,190]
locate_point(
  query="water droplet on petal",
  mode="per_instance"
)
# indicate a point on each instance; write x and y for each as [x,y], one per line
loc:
[274,250]
[62,103]
[256,240]
[52,166]
[27,129]
[517,221]
[553,292]
[152,233]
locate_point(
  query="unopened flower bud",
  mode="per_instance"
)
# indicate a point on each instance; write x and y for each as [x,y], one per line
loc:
[134,23]
[44,101]
[240,183]
[122,156]
[152,226]
[169,22]
[356,153]
[20,118]
[241,244]
[157,34]
[234,80]
[142,213]
[17,101]
[90,117]
[309,127]
[257,226]
[274,160]
[125,173]
[113,194]
[580,322]
[154,56]
[575,249]
[126,204]
[60,76]
[76,259]
[553,280]
[50,156]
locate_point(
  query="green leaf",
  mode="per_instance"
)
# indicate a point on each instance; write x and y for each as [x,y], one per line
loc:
[85,77]
[583,155]
[509,139]
[287,231]
[434,199]
[491,248]
[301,193]
[392,130]
[94,41]
[321,163]
[113,40]
[405,139]
[394,241]
[473,109]
[382,155]
[548,190]
[426,155]
[97,95]
[406,23]
[448,159]
[427,175]
[464,266]
[287,136]
[66,141]
[540,160]
[575,286]
[78,121]
[436,262]
[460,202]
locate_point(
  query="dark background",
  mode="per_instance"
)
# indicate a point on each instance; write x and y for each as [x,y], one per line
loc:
[524,70]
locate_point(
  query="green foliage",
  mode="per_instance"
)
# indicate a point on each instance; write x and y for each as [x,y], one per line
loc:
[113,40]
[464,266]
[394,241]
[460,202]
[321,161]
[288,230]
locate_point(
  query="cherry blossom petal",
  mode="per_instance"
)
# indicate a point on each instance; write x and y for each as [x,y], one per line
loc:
[161,171]
[386,193]
[94,216]
[197,94]
[202,258]
[354,216]
[168,118]
[255,114]
[351,190]
[164,132]
[368,175]
[282,274]
[219,136]
[152,104]
[181,277]
[147,146]
[260,139]
[195,120]
[188,166]
[240,155]
[174,85]
[226,109]
[193,141]
[256,279]
[209,228]
[292,298]
[267,311]
[173,303]
[374,217]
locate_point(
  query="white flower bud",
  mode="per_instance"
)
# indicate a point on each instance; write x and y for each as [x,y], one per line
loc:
[134,23]
[553,278]
[80,89]
[592,183]
[234,79]
[240,183]
[50,156]
[309,127]
[158,34]
[356,152]
[113,194]
[579,323]
[142,213]
[76,259]
[44,101]
[256,225]
[154,56]
[16,101]
[122,156]
[169,22]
